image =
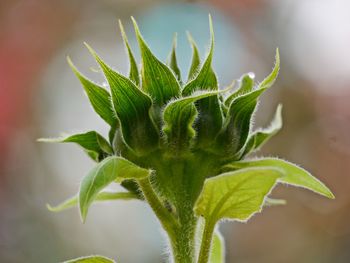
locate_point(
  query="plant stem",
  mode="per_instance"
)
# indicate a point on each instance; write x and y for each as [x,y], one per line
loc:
[183,246]
[206,242]
[166,219]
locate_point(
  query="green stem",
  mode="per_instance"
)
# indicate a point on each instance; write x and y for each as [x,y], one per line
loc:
[166,219]
[206,242]
[183,246]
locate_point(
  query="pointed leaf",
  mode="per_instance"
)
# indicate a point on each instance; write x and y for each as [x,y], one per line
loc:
[235,195]
[237,124]
[99,98]
[134,72]
[210,117]
[111,169]
[91,259]
[92,142]
[102,196]
[194,68]
[293,174]
[261,136]
[179,116]
[270,79]
[246,85]
[157,79]
[173,60]
[132,107]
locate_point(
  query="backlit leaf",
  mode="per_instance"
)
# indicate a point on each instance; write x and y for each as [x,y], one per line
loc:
[111,169]
[270,79]
[99,98]
[235,195]
[258,138]
[102,196]
[92,142]
[292,174]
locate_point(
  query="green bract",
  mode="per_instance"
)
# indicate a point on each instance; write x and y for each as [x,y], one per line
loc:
[182,146]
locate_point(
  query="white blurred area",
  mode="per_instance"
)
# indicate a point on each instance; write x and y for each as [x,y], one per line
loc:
[318,35]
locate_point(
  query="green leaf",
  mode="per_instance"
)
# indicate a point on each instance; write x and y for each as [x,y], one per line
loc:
[99,98]
[132,107]
[246,85]
[261,136]
[92,142]
[102,196]
[179,116]
[111,169]
[235,195]
[236,128]
[157,79]
[217,254]
[91,259]
[173,60]
[293,174]
[270,79]
[210,118]
[195,64]
[134,72]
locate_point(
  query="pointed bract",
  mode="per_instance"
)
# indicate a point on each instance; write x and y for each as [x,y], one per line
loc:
[195,64]
[134,72]
[99,98]
[157,79]
[132,107]
[173,60]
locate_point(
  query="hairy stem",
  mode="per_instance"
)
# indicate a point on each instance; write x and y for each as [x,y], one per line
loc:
[166,219]
[207,237]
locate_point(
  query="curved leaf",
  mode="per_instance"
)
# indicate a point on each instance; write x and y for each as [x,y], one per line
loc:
[261,136]
[91,259]
[236,195]
[270,79]
[246,85]
[134,72]
[194,68]
[157,79]
[132,107]
[102,196]
[293,174]
[99,98]
[92,142]
[111,169]
[179,116]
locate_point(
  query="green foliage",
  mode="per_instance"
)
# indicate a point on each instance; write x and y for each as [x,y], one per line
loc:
[235,195]
[182,147]
[111,169]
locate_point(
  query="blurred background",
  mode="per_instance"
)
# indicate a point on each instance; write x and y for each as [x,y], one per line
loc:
[40,97]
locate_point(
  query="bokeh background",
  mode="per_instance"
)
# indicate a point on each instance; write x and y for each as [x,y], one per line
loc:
[40,97]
